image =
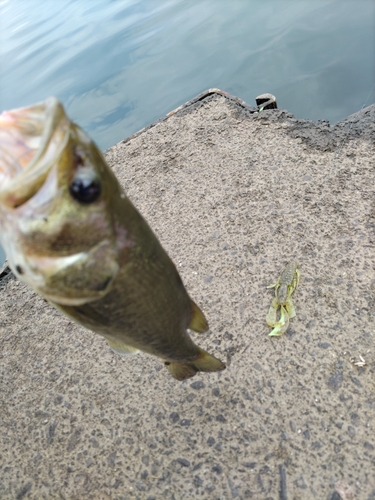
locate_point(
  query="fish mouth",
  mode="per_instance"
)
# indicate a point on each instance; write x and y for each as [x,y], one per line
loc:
[31,140]
[73,279]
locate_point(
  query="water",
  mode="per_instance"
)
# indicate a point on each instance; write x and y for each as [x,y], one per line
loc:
[118,65]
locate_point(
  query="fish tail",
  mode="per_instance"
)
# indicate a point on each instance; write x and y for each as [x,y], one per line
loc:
[203,363]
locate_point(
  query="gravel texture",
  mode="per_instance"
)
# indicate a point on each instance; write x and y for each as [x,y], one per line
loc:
[233,196]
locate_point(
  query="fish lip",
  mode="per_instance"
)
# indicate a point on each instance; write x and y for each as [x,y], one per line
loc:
[31,263]
[31,275]
[41,272]
[19,188]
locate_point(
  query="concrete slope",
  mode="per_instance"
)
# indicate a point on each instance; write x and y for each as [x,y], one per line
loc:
[233,196]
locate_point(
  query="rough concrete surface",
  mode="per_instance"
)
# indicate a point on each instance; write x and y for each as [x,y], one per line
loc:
[233,196]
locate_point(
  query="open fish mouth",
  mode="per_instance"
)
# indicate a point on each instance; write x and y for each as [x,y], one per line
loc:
[31,139]
[53,239]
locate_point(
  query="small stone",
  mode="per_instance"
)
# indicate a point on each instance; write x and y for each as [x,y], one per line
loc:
[219,447]
[51,432]
[300,483]
[74,439]
[210,487]
[316,445]
[25,489]
[351,431]
[211,441]
[221,418]
[197,481]
[246,395]
[290,332]
[368,445]
[94,442]
[324,345]
[217,468]
[335,380]
[306,434]
[233,489]
[250,465]
[37,458]
[354,417]
[58,399]
[216,391]
[197,385]
[183,462]
[293,426]
[41,414]
[117,483]
[355,381]
[174,416]
[185,422]
[111,459]
[335,496]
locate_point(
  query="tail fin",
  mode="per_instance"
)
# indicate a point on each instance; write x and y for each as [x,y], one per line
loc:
[203,363]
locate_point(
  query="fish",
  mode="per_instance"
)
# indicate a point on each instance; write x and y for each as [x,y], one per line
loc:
[71,233]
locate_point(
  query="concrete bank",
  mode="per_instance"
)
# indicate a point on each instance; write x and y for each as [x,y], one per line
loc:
[233,196]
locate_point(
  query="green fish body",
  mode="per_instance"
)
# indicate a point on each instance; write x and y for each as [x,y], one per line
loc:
[71,233]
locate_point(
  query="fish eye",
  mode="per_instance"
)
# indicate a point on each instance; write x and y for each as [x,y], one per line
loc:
[85,189]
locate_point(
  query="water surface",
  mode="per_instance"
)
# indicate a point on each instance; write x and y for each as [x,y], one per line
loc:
[118,65]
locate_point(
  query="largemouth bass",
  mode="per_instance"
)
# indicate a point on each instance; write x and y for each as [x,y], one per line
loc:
[71,233]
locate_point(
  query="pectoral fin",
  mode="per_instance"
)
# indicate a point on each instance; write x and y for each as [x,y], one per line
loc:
[121,348]
[198,322]
[203,363]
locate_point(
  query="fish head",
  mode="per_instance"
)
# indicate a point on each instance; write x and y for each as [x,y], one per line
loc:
[56,205]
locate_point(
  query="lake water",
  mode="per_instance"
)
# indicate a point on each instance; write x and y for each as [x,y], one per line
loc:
[118,65]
